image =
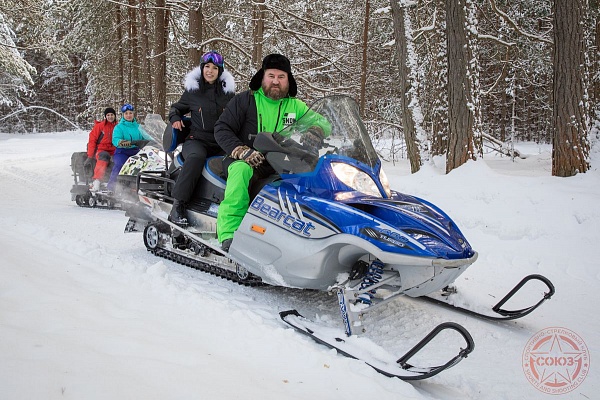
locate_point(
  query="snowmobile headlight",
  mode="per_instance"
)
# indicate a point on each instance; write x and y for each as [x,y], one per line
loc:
[385,183]
[356,179]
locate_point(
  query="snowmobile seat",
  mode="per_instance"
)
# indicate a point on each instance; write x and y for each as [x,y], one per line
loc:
[84,173]
[214,168]
[174,137]
[80,172]
[214,189]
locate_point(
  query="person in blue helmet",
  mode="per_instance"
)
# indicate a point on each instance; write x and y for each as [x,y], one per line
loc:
[127,131]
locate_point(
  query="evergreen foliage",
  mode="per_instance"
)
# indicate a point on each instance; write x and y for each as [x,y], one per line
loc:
[78,57]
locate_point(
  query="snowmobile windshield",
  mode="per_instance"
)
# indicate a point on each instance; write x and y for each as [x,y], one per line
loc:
[154,126]
[333,125]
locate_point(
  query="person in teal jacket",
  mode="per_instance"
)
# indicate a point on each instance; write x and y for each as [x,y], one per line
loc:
[125,133]
[268,106]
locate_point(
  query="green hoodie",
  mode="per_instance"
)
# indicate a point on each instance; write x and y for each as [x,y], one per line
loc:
[274,115]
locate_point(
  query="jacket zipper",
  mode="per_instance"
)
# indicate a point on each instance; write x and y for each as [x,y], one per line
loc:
[260,116]
[202,117]
[278,115]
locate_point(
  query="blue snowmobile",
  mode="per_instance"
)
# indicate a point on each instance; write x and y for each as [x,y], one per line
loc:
[328,221]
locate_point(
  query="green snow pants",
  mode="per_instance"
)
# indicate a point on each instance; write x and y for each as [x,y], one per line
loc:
[236,201]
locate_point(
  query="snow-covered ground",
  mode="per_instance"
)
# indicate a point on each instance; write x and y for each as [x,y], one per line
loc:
[87,313]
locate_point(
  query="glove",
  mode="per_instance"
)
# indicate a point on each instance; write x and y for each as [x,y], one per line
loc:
[254,158]
[125,143]
[88,162]
[313,137]
[251,156]
[239,151]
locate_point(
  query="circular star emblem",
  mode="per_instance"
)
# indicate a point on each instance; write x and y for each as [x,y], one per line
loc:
[556,360]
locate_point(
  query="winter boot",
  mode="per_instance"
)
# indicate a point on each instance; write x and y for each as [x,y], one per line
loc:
[226,244]
[95,186]
[177,215]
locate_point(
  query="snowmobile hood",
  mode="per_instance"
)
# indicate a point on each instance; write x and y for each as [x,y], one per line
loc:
[416,219]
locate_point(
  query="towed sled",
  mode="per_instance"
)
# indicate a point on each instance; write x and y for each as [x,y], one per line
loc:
[329,222]
[125,193]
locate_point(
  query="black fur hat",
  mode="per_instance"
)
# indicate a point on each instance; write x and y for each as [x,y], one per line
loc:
[275,61]
[109,110]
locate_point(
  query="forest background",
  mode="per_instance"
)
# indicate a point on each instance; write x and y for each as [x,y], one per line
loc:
[438,77]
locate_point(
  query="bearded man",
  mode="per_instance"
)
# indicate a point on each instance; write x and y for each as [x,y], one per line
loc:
[268,106]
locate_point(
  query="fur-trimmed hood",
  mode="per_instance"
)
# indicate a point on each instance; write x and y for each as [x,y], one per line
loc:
[192,80]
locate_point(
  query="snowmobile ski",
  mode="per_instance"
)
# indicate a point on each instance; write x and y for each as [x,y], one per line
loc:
[502,314]
[399,368]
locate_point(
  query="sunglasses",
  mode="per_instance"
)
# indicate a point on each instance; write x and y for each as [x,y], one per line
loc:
[127,107]
[213,57]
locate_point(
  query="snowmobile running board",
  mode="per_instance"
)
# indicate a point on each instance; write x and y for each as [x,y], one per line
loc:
[505,315]
[400,368]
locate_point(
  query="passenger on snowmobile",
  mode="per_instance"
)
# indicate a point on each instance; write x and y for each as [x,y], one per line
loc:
[125,134]
[268,106]
[149,159]
[208,89]
[100,148]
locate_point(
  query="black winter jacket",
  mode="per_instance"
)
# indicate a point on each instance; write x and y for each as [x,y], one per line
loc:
[239,116]
[204,102]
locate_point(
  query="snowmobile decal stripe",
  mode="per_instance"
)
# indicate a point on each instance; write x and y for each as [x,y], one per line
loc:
[280,196]
[299,211]
[409,208]
[282,218]
[312,214]
[288,204]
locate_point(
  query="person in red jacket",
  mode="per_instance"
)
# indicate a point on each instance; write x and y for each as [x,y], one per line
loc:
[100,146]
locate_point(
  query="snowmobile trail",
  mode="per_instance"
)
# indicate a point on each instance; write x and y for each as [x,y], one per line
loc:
[80,299]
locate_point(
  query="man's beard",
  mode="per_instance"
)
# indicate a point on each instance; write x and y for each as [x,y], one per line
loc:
[275,92]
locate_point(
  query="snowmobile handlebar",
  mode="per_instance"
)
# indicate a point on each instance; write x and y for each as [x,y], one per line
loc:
[266,142]
[140,143]
[285,155]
